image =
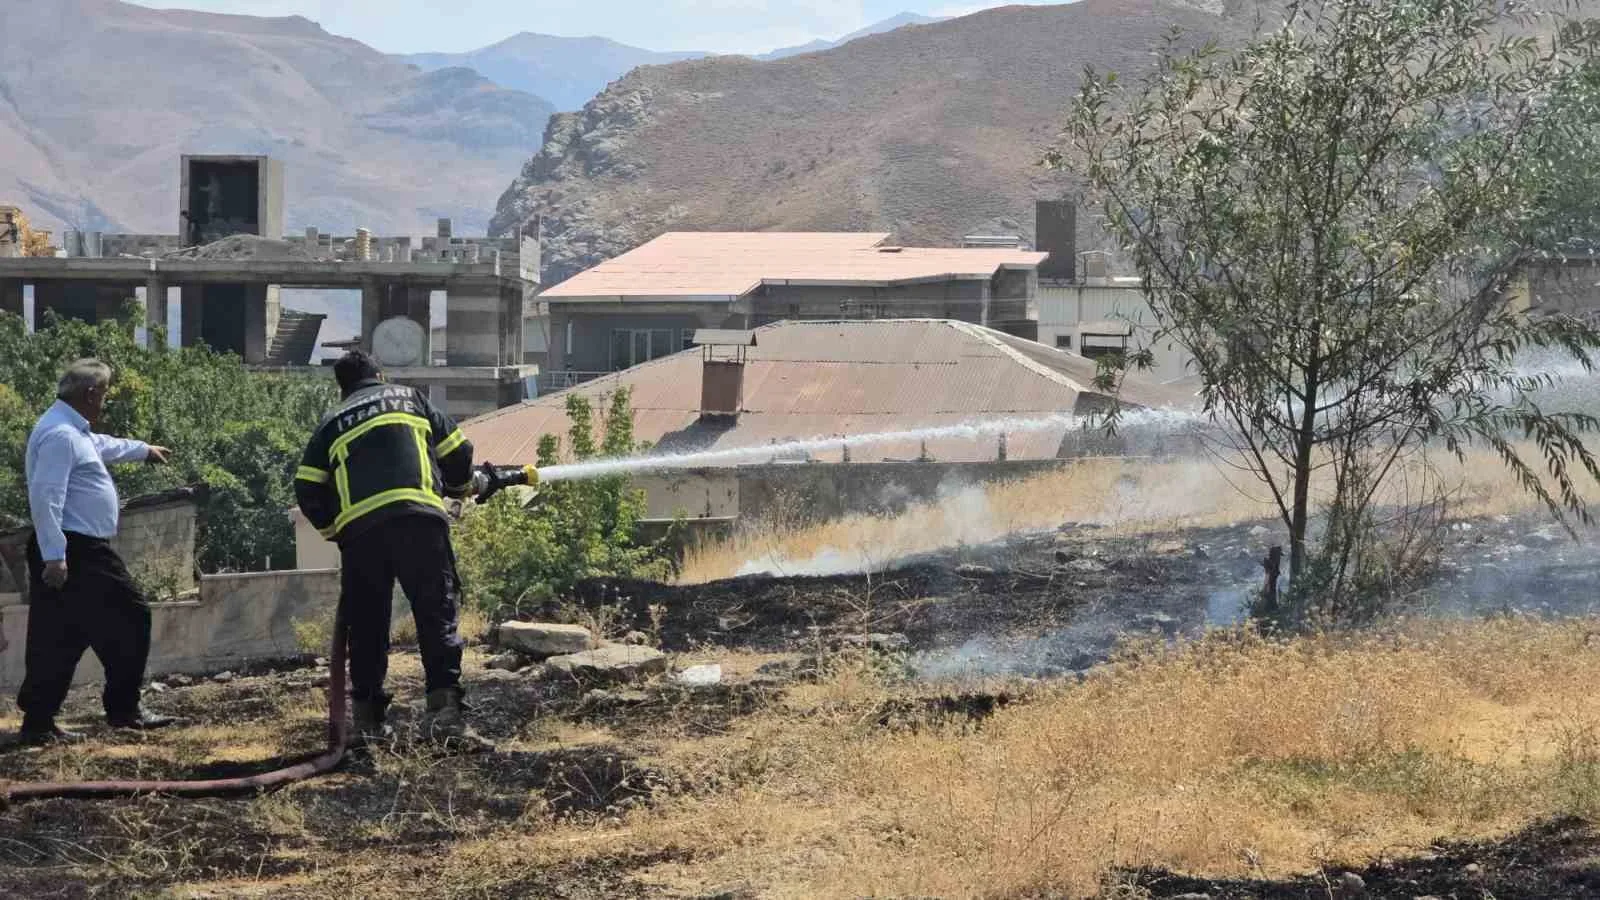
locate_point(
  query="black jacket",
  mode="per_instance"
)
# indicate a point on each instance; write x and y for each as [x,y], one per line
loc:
[384,452]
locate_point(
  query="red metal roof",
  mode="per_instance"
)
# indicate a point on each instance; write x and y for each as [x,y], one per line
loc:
[807,380]
[731,264]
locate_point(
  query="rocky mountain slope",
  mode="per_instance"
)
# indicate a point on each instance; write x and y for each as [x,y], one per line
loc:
[929,132]
[98,99]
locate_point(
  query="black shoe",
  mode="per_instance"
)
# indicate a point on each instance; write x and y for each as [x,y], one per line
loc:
[370,725]
[142,721]
[40,737]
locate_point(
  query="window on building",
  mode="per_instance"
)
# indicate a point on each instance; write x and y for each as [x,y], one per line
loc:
[1101,346]
[1063,342]
[688,339]
[633,346]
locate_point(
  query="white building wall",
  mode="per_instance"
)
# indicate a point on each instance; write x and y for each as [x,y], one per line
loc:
[1067,313]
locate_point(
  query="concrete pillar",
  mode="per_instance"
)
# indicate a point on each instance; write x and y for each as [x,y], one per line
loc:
[11,296]
[372,294]
[155,306]
[274,310]
[419,308]
[473,325]
[192,303]
[513,321]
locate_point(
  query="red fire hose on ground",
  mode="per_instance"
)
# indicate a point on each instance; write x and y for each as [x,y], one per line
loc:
[488,481]
[216,787]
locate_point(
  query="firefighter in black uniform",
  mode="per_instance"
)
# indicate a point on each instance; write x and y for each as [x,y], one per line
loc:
[374,479]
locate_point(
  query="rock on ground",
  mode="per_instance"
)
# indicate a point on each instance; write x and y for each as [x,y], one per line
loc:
[700,676]
[883,643]
[614,663]
[541,640]
[509,661]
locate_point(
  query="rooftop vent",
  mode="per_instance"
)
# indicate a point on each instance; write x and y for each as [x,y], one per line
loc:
[890,249]
[722,370]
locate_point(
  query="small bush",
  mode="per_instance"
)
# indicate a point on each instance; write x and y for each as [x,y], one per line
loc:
[515,557]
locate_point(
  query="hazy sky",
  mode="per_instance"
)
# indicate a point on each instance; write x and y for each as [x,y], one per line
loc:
[716,26]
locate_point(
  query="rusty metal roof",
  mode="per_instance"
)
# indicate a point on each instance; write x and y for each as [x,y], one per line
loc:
[722,264]
[807,380]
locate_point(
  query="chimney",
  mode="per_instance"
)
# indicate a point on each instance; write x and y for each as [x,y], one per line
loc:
[1055,231]
[722,371]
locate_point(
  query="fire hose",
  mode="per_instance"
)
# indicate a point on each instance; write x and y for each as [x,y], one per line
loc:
[486,482]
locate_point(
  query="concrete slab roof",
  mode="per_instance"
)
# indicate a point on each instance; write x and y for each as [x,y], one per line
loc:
[290,273]
[726,265]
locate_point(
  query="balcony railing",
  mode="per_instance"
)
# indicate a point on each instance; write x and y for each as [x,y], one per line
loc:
[550,382]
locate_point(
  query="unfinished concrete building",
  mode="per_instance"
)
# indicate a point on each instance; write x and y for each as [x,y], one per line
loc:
[229,258]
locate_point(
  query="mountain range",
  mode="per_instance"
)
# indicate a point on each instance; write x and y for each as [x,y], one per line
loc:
[929,132]
[99,98]
[569,71]
[889,24]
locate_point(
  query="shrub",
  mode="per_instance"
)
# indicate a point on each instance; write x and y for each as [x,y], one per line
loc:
[515,557]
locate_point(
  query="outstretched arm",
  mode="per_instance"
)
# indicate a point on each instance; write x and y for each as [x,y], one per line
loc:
[119,450]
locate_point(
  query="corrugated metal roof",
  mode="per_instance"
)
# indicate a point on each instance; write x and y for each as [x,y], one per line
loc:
[731,264]
[805,380]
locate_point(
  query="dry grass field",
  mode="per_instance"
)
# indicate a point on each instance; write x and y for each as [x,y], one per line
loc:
[1224,762]
[1121,496]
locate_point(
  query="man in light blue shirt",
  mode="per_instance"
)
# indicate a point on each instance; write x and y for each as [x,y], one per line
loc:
[80,593]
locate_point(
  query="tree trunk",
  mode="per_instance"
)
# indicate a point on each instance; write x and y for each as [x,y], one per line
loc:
[1300,515]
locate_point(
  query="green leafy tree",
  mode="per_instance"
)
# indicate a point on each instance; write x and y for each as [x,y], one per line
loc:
[1329,219]
[515,556]
[239,431]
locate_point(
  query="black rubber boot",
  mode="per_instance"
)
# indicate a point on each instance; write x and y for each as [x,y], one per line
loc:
[447,725]
[371,722]
[34,735]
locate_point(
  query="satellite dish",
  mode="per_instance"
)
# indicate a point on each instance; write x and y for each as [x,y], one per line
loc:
[400,341]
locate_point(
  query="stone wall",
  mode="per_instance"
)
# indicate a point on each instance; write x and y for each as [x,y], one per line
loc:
[156,537]
[157,544]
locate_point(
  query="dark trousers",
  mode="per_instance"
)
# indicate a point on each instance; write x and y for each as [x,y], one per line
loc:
[414,549]
[99,608]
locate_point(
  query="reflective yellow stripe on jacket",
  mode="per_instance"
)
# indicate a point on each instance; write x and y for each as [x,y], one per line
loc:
[339,452]
[449,444]
[398,495]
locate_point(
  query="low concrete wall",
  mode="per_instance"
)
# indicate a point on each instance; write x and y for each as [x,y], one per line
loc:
[234,619]
[816,492]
